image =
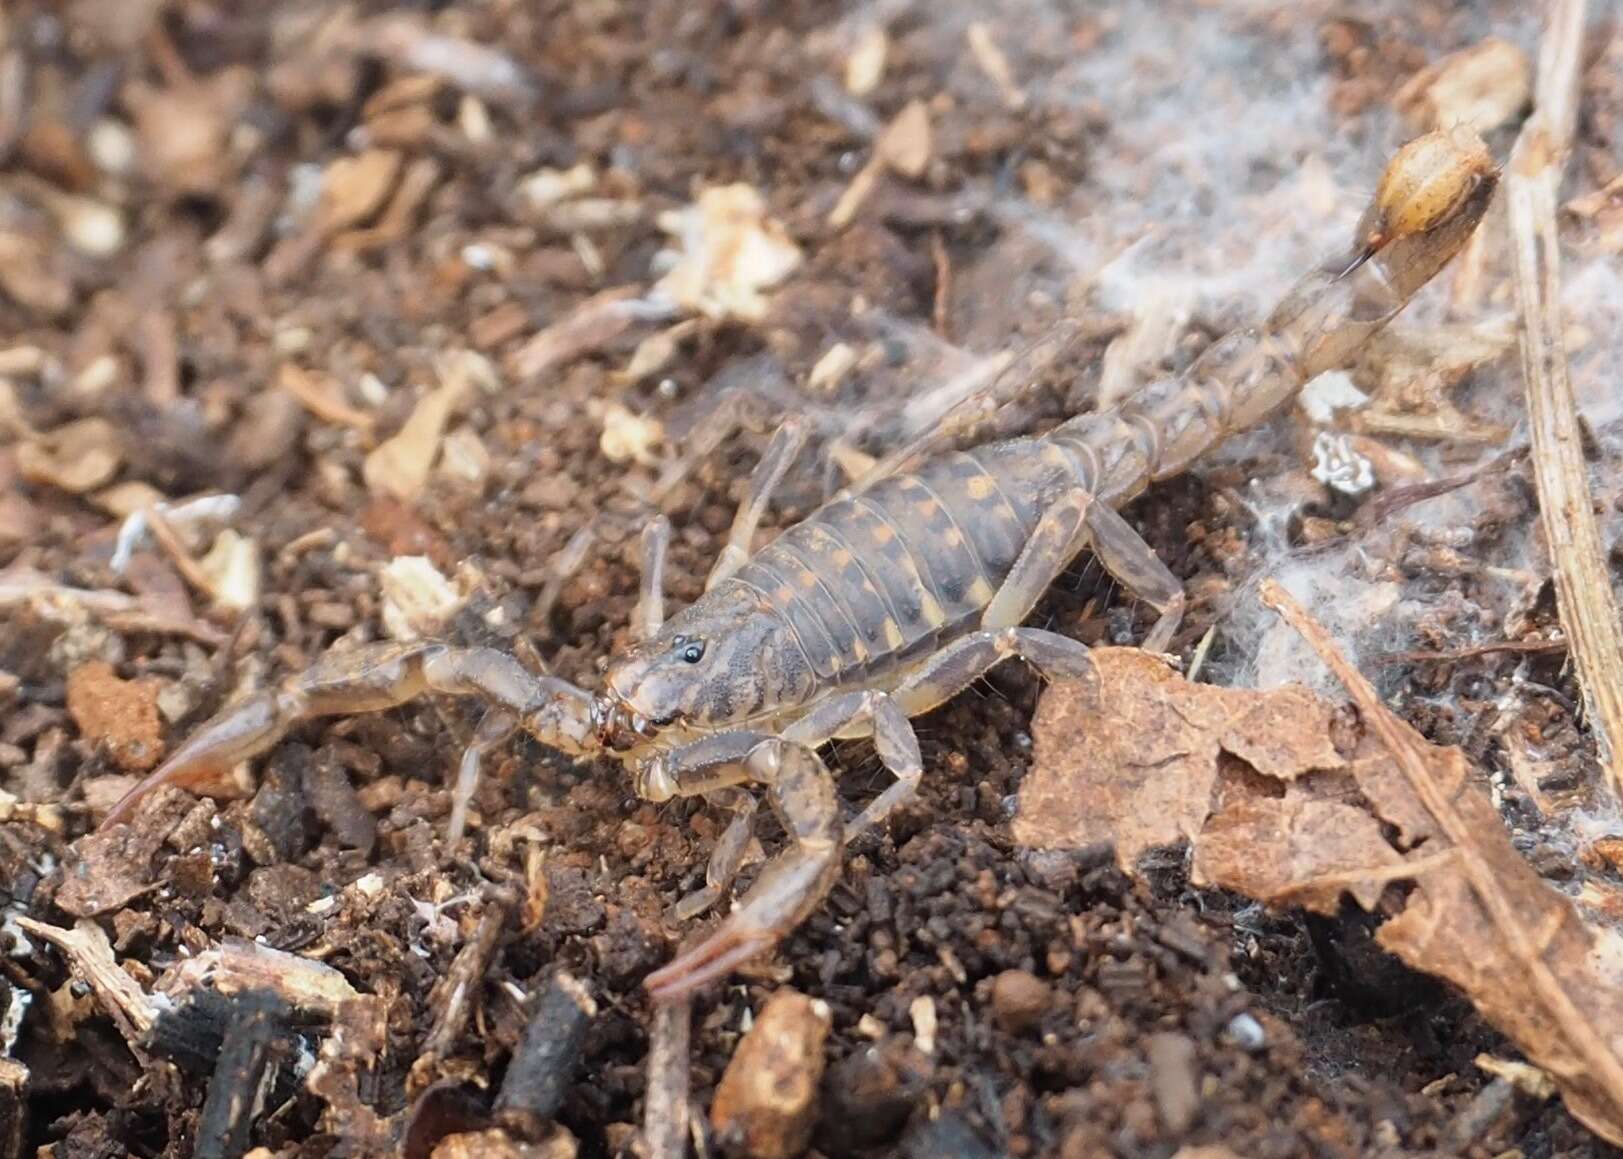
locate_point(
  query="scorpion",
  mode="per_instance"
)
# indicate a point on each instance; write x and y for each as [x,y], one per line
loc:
[889,599]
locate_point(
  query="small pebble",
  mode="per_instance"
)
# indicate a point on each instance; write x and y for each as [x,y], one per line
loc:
[1019,1000]
[1246,1033]
[767,1099]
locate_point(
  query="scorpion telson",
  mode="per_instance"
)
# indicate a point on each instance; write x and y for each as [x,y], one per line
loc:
[888,600]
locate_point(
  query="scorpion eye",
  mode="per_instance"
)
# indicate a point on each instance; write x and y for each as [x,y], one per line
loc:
[693,652]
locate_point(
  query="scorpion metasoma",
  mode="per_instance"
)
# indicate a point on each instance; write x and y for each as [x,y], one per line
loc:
[889,599]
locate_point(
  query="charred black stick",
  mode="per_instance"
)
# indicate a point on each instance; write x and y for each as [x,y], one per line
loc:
[544,1064]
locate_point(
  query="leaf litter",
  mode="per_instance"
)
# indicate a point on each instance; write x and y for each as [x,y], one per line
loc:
[1293,801]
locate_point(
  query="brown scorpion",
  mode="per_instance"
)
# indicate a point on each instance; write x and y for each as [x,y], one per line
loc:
[889,599]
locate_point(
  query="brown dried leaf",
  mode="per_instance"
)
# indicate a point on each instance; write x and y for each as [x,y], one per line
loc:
[1483,919]
[1136,767]
[1296,850]
[1140,767]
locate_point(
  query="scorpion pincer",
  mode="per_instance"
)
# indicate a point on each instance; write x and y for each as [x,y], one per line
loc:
[889,599]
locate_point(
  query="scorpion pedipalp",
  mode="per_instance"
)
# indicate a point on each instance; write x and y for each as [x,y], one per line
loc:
[371,678]
[801,791]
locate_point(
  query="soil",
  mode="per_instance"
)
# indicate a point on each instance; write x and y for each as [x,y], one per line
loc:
[1142,1017]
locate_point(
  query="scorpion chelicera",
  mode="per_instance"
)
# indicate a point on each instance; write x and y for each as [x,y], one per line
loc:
[889,599]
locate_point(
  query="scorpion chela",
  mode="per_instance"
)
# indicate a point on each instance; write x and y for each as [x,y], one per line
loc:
[889,599]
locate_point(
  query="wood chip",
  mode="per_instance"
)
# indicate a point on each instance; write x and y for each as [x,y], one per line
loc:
[400,467]
[320,394]
[76,457]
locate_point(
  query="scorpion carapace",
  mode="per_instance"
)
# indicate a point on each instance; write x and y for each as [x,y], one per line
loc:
[889,600]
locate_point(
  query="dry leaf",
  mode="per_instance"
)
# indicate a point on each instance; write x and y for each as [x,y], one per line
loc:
[77,457]
[1137,767]
[1296,851]
[1159,759]
[730,252]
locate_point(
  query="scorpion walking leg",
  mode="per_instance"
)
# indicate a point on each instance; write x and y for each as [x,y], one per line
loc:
[370,679]
[495,727]
[786,443]
[845,715]
[649,614]
[801,791]
[858,714]
[1135,565]
[1053,544]
[728,855]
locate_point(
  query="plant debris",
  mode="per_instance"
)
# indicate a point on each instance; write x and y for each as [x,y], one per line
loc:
[1285,802]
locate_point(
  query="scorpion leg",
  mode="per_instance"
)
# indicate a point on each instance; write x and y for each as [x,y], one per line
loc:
[1134,563]
[1053,544]
[858,714]
[1057,539]
[801,791]
[786,443]
[649,613]
[954,669]
[728,855]
[494,728]
[372,678]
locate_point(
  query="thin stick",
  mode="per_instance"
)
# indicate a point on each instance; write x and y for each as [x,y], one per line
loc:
[1583,588]
[1524,945]
[665,1110]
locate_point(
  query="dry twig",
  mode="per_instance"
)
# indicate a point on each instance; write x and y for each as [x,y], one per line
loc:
[1582,585]
[665,1115]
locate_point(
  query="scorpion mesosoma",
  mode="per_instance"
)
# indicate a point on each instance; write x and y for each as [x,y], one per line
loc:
[889,599]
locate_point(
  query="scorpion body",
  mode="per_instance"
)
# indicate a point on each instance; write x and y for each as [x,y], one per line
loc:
[892,597]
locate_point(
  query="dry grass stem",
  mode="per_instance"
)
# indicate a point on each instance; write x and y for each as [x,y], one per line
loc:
[1583,588]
